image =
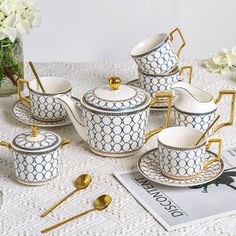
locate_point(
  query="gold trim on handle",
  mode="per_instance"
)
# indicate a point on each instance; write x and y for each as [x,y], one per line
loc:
[217,100]
[152,133]
[213,140]
[182,38]
[23,98]
[190,72]
[154,101]
[65,142]
[5,144]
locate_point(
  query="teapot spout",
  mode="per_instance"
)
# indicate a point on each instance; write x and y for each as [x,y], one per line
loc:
[75,114]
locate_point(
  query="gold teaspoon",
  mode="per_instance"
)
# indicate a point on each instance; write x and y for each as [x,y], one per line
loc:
[81,182]
[101,203]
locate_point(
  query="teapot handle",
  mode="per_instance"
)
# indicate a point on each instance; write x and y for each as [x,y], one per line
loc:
[217,100]
[190,72]
[182,38]
[154,101]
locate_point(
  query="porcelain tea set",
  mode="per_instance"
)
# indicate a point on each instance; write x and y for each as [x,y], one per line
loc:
[112,120]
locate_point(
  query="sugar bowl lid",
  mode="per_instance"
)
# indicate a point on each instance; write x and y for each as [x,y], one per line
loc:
[116,97]
[36,141]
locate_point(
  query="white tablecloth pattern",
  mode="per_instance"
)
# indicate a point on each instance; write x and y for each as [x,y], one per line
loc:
[23,204]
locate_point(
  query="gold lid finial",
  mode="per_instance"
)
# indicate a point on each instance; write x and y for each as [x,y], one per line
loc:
[114,82]
[34,130]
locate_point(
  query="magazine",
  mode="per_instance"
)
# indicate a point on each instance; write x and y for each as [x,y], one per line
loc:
[178,207]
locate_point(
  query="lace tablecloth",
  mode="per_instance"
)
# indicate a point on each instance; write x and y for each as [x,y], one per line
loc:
[125,216]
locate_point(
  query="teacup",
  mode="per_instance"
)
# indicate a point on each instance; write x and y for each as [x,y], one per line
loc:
[162,83]
[44,106]
[156,55]
[179,157]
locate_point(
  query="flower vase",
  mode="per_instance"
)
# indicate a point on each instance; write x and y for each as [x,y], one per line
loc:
[12,65]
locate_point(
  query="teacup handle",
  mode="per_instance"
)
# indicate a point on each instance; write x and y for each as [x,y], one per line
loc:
[23,98]
[154,101]
[182,38]
[190,75]
[217,100]
[217,158]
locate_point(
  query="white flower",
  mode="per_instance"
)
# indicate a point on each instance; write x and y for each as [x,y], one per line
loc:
[233,51]
[219,62]
[215,68]
[221,57]
[231,60]
[222,61]
[231,57]
[17,18]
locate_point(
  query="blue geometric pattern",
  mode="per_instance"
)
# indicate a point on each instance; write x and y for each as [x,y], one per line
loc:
[158,61]
[149,166]
[197,121]
[139,99]
[116,134]
[36,168]
[153,83]
[26,142]
[45,107]
[178,163]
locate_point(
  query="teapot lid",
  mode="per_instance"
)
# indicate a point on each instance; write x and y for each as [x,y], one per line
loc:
[36,141]
[116,97]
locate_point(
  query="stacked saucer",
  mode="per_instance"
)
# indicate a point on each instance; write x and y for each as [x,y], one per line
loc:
[157,63]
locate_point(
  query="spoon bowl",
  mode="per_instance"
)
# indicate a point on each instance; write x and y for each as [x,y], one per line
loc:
[102,202]
[83,181]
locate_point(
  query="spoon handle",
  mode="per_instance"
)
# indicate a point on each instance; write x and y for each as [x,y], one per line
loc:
[58,203]
[36,76]
[66,221]
[206,131]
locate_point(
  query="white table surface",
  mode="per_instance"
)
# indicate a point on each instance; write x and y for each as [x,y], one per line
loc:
[125,216]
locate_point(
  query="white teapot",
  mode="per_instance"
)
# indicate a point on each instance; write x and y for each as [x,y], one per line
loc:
[112,119]
[196,108]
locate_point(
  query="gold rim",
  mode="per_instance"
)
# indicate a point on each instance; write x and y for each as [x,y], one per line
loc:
[181,177]
[115,154]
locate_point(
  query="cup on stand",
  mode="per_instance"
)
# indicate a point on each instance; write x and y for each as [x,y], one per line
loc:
[157,63]
[162,83]
[156,55]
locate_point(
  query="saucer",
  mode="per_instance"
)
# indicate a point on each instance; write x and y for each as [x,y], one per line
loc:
[148,165]
[22,113]
[162,104]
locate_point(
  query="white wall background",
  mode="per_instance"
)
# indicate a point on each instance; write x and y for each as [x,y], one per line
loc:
[106,30]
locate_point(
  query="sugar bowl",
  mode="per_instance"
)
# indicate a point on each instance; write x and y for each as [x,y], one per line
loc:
[36,155]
